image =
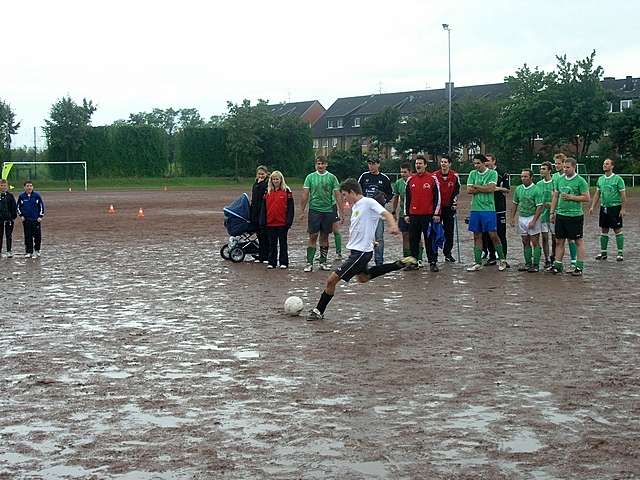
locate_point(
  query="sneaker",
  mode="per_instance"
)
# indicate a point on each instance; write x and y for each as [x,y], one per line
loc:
[533,269]
[619,258]
[433,267]
[270,267]
[577,272]
[507,264]
[325,267]
[523,267]
[547,264]
[503,265]
[338,256]
[37,252]
[419,264]
[409,263]
[490,262]
[308,267]
[33,255]
[28,255]
[257,260]
[449,258]
[9,255]
[601,256]
[555,270]
[571,268]
[314,314]
[284,267]
[476,267]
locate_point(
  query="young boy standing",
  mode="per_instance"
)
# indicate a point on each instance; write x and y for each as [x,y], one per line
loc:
[365,214]
[31,211]
[8,215]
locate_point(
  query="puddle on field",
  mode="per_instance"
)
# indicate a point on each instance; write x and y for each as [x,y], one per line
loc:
[329,402]
[375,469]
[523,441]
[136,415]
[475,417]
[323,447]
[246,354]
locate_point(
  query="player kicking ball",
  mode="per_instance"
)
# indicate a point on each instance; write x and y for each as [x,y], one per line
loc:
[528,200]
[365,214]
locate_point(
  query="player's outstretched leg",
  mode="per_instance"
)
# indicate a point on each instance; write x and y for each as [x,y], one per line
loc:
[378,270]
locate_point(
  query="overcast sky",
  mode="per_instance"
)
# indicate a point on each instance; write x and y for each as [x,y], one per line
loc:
[135,55]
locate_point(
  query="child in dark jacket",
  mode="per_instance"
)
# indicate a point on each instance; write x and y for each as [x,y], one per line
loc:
[8,214]
[277,216]
[258,192]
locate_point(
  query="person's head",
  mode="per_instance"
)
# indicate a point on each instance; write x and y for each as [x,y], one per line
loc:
[570,166]
[545,170]
[445,164]
[321,164]
[559,159]
[480,162]
[261,173]
[276,181]
[350,190]
[405,170]
[526,176]
[421,164]
[28,186]
[4,186]
[607,165]
[373,163]
[491,160]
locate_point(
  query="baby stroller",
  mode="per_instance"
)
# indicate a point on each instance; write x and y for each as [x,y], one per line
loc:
[243,239]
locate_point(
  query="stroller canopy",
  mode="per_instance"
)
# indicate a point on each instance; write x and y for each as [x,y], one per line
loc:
[237,216]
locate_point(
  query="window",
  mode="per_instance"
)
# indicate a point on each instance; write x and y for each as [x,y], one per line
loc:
[331,124]
[325,142]
[624,104]
[356,122]
[316,143]
[334,142]
[610,107]
[339,123]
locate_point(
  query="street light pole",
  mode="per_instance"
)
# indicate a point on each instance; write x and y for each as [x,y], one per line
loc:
[448,29]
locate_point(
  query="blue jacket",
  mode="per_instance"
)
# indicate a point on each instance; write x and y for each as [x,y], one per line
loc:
[30,206]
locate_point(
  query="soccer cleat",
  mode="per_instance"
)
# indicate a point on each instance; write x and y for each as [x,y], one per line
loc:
[27,255]
[37,252]
[476,267]
[533,269]
[410,263]
[270,267]
[449,258]
[33,255]
[433,267]
[577,272]
[308,267]
[502,265]
[619,258]
[523,267]
[314,314]
[9,255]
[325,267]
[284,267]
[555,270]
[490,262]
[571,268]
[420,264]
[338,256]
[601,256]
[257,260]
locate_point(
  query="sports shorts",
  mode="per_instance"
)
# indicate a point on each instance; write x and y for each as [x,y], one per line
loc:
[610,217]
[322,221]
[546,227]
[480,222]
[403,226]
[356,263]
[569,228]
[523,226]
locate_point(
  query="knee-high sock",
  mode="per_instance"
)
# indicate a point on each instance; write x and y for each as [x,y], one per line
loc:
[527,255]
[620,242]
[325,298]
[338,239]
[573,251]
[604,242]
[499,251]
[323,254]
[477,255]
[311,252]
[537,253]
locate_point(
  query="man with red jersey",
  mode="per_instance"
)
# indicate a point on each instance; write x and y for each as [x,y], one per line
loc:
[422,208]
[449,186]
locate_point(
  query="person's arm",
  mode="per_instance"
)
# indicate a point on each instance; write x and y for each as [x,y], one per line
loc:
[456,192]
[262,214]
[407,201]
[554,204]
[386,187]
[514,211]
[594,202]
[391,222]
[489,187]
[303,201]
[536,215]
[505,186]
[290,208]
[41,202]
[394,204]
[13,209]
[19,208]
[623,199]
[339,205]
[437,200]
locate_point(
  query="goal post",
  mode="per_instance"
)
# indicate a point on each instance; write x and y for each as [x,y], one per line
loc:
[83,164]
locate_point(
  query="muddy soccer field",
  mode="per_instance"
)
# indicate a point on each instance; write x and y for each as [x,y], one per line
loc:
[132,350]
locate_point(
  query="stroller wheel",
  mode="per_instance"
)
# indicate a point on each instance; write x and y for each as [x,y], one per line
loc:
[236,254]
[224,252]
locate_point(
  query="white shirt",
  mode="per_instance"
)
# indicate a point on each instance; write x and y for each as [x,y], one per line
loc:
[365,214]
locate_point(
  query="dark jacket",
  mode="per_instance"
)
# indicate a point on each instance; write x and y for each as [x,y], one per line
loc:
[377,187]
[31,206]
[8,208]
[257,199]
[277,209]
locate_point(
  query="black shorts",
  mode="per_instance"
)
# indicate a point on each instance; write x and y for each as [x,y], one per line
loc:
[402,225]
[355,264]
[610,217]
[322,221]
[569,228]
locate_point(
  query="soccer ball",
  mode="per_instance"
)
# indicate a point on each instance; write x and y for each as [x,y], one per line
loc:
[293,306]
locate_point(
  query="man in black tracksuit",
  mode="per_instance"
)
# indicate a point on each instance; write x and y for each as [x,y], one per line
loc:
[500,196]
[8,214]
[31,211]
[377,185]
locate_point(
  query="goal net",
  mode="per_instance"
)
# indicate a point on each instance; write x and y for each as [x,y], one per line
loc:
[53,174]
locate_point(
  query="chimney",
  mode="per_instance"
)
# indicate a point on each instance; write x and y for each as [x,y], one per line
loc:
[609,83]
[628,84]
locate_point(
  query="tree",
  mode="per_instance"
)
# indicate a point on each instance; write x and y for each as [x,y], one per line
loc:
[475,121]
[383,128]
[621,129]
[427,131]
[8,127]
[67,128]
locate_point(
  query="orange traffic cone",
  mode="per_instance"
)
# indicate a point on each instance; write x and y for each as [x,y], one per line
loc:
[140,213]
[111,209]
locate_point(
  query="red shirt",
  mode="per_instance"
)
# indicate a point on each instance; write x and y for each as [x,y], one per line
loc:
[276,204]
[422,195]
[449,188]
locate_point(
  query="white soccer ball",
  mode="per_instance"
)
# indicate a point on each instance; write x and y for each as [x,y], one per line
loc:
[293,306]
